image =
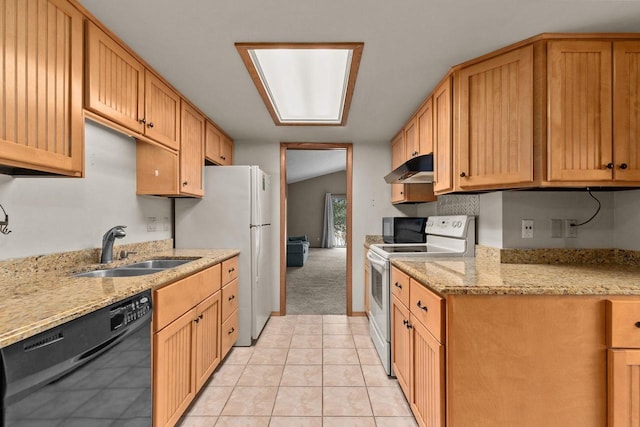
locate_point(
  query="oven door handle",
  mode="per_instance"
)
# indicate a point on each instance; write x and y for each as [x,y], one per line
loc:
[377,261]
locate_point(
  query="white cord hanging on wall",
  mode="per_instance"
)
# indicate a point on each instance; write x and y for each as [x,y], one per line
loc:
[4,224]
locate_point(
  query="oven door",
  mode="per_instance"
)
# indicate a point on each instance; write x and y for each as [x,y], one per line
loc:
[379,320]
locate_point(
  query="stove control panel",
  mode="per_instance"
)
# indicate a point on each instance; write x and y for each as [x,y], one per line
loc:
[450,225]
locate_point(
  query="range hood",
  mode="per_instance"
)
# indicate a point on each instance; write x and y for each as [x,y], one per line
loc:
[418,170]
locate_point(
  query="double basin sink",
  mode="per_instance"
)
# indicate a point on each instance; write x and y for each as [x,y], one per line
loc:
[136,269]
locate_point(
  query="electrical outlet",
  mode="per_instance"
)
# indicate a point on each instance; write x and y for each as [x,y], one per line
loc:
[151,223]
[527,229]
[569,229]
[557,228]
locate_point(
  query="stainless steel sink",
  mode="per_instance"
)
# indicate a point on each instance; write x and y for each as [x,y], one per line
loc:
[158,263]
[119,272]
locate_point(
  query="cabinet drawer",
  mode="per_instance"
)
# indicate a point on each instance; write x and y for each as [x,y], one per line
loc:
[229,333]
[428,308]
[623,324]
[172,301]
[229,270]
[400,285]
[229,299]
[210,281]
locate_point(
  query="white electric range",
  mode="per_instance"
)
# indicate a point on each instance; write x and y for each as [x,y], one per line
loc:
[453,235]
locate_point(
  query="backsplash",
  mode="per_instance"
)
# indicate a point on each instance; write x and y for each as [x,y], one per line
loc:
[458,204]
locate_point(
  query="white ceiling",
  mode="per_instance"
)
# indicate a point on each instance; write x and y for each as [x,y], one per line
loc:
[409,46]
[307,164]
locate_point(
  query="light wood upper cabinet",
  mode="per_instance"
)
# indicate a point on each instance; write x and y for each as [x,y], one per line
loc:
[162,112]
[407,193]
[494,106]
[397,150]
[411,139]
[424,119]
[191,151]
[41,122]
[114,81]
[626,111]
[218,148]
[157,170]
[580,121]
[442,137]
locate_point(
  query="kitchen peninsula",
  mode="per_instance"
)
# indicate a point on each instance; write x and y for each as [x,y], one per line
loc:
[483,343]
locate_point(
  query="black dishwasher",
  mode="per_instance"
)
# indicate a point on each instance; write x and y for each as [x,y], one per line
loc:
[91,371]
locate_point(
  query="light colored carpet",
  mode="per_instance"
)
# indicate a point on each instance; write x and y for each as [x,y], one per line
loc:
[319,287]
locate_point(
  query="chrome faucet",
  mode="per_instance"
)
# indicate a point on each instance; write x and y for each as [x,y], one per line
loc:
[109,237]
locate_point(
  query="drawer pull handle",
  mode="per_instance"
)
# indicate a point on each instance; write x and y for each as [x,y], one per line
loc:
[232,297]
[637,324]
[231,270]
[232,330]
[421,307]
[397,285]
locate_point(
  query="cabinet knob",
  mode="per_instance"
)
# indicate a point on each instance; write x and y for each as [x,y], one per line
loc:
[196,320]
[184,184]
[405,322]
[397,285]
[150,125]
[462,174]
[637,324]
[223,157]
[421,307]
[232,297]
[232,330]
[143,120]
[609,165]
[201,316]
[623,166]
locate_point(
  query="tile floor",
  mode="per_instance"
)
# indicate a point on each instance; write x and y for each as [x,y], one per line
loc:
[305,371]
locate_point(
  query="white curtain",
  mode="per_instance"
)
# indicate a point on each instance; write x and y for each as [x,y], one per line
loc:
[327,228]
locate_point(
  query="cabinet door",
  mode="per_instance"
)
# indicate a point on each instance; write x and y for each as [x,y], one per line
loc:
[579,90]
[397,150]
[156,170]
[397,193]
[427,377]
[400,344]
[226,151]
[411,141]
[442,138]
[494,141]
[191,151]
[173,377]
[114,81]
[162,112]
[624,388]
[424,119]
[626,111]
[207,338]
[213,142]
[41,120]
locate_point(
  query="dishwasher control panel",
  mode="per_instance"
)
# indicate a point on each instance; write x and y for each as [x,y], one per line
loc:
[129,311]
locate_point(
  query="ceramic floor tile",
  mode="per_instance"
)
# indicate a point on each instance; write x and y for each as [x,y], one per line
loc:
[239,355]
[396,422]
[306,341]
[304,356]
[336,329]
[261,375]
[334,318]
[349,422]
[363,329]
[268,356]
[210,401]
[243,422]
[302,375]
[198,422]
[314,319]
[340,356]
[296,422]
[346,401]
[363,341]
[251,401]
[274,341]
[368,356]
[298,401]
[388,402]
[342,375]
[375,376]
[282,329]
[359,320]
[308,329]
[226,375]
[337,341]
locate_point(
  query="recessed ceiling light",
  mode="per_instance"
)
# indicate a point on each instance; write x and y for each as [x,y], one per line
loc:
[304,83]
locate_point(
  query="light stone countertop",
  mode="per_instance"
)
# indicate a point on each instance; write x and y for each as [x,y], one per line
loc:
[34,301]
[476,276]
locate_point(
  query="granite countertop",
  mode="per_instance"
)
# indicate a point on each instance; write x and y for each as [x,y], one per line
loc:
[34,301]
[475,276]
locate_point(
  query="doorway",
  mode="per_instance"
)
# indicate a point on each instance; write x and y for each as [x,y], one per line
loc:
[342,208]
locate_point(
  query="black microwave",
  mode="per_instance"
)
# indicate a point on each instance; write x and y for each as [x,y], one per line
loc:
[402,229]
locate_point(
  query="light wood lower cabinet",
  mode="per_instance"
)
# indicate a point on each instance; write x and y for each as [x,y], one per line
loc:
[401,344]
[229,332]
[189,339]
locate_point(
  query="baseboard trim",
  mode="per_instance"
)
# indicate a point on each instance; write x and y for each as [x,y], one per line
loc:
[275,313]
[358,313]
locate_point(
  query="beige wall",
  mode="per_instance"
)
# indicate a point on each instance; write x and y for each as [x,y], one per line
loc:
[305,204]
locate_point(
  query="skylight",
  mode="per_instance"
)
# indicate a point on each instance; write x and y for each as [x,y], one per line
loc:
[304,84]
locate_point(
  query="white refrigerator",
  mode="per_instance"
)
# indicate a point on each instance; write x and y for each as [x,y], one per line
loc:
[235,213]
